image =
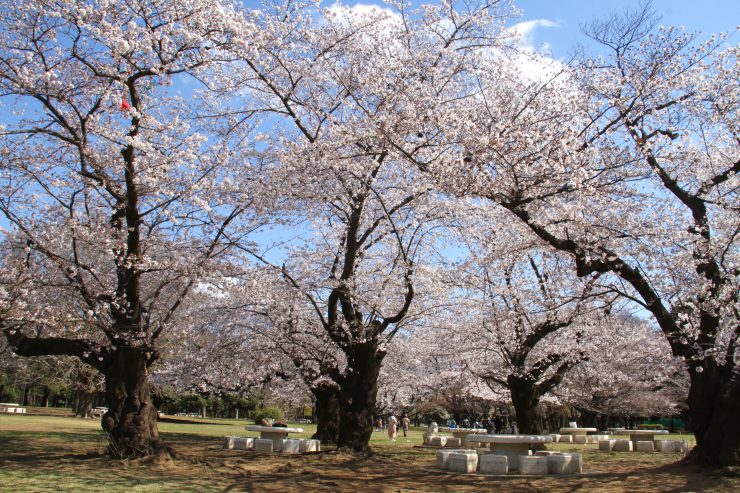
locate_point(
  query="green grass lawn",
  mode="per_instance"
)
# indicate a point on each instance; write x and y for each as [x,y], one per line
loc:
[53,454]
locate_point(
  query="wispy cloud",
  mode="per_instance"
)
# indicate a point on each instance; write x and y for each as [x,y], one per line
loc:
[525,30]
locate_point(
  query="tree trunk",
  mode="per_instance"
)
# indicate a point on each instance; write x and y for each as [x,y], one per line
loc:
[357,396]
[131,420]
[83,403]
[45,397]
[327,413]
[525,399]
[714,405]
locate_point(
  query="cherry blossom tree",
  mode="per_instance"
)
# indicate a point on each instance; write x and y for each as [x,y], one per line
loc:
[108,188]
[628,163]
[369,216]
[622,382]
[529,319]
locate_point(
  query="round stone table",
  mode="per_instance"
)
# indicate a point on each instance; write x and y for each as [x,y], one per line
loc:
[576,431]
[512,446]
[274,433]
[640,435]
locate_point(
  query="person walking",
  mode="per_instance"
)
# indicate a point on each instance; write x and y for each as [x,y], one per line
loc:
[392,428]
[405,422]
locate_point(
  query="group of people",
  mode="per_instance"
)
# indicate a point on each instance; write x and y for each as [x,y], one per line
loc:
[392,424]
[496,425]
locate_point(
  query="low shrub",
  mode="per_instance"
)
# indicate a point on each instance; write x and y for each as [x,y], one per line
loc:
[269,412]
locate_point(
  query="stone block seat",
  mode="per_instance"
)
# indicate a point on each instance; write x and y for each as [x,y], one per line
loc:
[243,443]
[290,446]
[309,446]
[493,464]
[443,456]
[671,446]
[229,443]
[454,442]
[263,445]
[534,465]
[644,446]
[465,462]
[622,445]
[606,445]
[565,463]
[438,441]
[565,439]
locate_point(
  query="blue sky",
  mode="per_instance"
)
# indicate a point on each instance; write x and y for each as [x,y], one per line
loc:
[560,20]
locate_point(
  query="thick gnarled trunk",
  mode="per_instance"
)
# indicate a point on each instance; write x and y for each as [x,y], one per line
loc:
[714,406]
[357,396]
[131,420]
[327,413]
[525,400]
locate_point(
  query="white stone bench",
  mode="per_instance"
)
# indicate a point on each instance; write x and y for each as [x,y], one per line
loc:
[290,446]
[454,442]
[263,445]
[644,446]
[622,445]
[443,456]
[535,465]
[606,445]
[309,446]
[243,443]
[438,441]
[465,462]
[558,464]
[493,464]
[671,446]
[572,464]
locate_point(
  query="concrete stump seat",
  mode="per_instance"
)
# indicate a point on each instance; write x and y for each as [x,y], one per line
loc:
[579,439]
[438,441]
[309,446]
[622,445]
[534,465]
[545,452]
[671,446]
[493,464]
[454,442]
[644,446]
[559,464]
[606,445]
[290,446]
[263,445]
[574,465]
[443,456]
[465,462]
[229,443]
[243,443]
[565,439]
[555,437]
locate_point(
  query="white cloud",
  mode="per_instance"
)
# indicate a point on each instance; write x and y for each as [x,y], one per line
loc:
[525,30]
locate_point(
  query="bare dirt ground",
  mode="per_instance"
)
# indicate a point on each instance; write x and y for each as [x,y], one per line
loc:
[70,460]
